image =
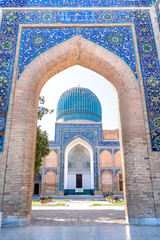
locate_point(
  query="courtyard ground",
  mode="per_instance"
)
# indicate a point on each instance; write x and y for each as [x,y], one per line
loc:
[80,220]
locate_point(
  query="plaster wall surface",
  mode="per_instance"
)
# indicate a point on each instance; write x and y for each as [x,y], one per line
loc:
[71,183]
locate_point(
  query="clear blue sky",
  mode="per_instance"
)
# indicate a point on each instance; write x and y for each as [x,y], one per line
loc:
[71,77]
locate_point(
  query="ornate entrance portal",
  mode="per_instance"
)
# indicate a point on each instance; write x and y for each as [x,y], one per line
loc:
[123,46]
[78,168]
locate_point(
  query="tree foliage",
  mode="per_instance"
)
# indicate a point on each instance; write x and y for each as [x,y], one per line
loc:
[42,143]
[41,109]
[42,148]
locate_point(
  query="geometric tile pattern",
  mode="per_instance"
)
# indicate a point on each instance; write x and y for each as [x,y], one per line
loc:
[74,3]
[114,38]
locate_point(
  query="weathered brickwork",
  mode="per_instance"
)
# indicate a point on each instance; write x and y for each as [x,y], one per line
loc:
[137,86]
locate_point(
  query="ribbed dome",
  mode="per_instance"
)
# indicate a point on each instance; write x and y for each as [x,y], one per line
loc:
[78,104]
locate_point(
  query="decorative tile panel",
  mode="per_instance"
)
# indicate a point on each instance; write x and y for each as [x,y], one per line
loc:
[74,3]
[117,39]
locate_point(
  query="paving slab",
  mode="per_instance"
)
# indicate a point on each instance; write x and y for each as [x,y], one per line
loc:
[83,223]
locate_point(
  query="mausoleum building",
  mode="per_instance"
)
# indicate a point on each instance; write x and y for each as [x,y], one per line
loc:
[84,159]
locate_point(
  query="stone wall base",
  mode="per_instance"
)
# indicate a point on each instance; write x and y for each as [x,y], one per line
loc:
[11,221]
[143,221]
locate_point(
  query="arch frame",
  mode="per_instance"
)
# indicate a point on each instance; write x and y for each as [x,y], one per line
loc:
[22,120]
[70,146]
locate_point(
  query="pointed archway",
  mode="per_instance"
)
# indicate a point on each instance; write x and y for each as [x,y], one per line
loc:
[23,119]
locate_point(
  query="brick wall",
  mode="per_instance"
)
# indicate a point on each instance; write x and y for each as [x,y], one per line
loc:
[111,134]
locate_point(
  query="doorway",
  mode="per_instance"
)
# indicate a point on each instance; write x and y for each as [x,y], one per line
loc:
[36,188]
[79,181]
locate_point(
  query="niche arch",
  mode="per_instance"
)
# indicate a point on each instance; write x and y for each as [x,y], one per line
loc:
[70,146]
[50,183]
[106,159]
[107,181]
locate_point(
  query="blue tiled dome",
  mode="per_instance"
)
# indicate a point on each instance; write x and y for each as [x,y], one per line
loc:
[78,104]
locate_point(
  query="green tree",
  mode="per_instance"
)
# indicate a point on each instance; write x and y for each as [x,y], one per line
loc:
[42,143]
[41,109]
[42,148]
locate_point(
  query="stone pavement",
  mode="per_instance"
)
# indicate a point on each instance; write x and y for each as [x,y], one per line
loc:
[80,221]
[78,213]
[109,232]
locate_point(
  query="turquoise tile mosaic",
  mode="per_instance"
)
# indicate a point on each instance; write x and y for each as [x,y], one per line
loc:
[74,3]
[78,104]
[117,39]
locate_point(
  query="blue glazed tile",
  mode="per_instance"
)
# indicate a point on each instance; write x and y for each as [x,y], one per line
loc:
[118,40]
[74,3]
[112,38]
